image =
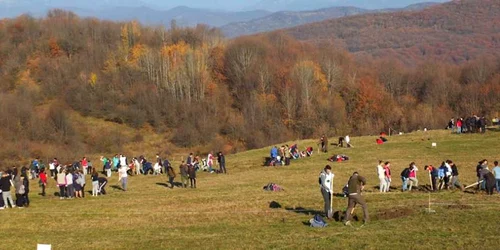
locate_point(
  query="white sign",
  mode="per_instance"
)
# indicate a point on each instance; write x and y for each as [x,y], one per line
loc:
[43,247]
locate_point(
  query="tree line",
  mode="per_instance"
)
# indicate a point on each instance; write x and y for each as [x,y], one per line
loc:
[198,86]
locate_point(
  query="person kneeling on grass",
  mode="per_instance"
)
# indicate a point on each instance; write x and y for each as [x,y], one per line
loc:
[356,185]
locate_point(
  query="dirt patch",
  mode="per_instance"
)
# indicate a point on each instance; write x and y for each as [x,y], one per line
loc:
[459,206]
[394,213]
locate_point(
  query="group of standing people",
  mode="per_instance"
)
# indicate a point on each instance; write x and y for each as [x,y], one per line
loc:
[472,124]
[12,180]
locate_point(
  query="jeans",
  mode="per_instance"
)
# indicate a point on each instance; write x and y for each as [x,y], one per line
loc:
[95,188]
[459,130]
[327,198]
[223,166]
[383,184]
[498,185]
[7,197]
[124,183]
[405,183]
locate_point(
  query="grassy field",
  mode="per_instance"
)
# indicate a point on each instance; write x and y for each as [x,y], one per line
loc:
[232,211]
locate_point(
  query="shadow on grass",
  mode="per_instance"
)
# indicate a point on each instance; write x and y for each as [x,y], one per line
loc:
[176,184]
[116,187]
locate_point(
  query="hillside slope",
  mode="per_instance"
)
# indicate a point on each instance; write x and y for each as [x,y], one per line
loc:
[233,212]
[454,32]
[285,19]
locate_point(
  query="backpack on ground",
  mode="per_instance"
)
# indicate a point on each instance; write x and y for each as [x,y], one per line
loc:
[318,221]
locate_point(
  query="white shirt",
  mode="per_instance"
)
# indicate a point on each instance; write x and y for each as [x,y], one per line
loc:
[123,161]
[347,139]
[326,181]
[123,172]
[51,166]
[69,179]
[380,171]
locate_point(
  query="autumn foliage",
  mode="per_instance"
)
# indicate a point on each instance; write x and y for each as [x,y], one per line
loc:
[201,88]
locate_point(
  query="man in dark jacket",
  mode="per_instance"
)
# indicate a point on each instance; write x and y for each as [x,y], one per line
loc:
[222,162]
[356,185]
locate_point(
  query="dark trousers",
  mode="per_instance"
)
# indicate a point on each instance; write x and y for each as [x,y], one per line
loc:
[43,189]
[223,168]
[192,181]
[171,181]
[83,190]
[26,199]
[62,191]
[434,186]
[353,201]
[19,200]
[287,161]
[52,173]
[490,185]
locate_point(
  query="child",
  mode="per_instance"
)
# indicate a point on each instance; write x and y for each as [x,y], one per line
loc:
[43,180]
[95,183]
[61,183]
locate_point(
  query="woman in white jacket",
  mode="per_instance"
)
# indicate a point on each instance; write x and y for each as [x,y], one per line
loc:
[381,177]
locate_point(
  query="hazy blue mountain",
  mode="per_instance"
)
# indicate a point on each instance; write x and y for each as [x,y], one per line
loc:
[184,16]
[286,19]
[301,5]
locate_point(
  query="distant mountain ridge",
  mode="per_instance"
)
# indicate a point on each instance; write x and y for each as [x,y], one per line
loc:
[303,5]
[286,19]
[456,32]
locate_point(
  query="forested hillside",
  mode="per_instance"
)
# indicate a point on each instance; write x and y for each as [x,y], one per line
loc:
[197,88]
[454,32]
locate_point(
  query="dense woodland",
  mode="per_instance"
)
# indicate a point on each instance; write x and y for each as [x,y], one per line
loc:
[197,87]
[455,32]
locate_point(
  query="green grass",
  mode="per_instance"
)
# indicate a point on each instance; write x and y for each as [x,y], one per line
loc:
[232,212]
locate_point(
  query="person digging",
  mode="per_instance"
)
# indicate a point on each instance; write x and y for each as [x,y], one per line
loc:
[356,185]
[326,182]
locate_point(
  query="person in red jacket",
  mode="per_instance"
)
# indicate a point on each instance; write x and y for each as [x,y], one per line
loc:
[43,180]
[459,125]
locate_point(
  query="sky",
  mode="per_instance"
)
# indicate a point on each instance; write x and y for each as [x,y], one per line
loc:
[228,5]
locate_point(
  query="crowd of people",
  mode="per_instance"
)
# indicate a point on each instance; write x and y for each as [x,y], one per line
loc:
[71,178]
[471,124]
[283,155]
[444,177]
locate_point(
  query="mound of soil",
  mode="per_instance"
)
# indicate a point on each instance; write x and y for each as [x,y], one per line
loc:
[393,213]
[459,206]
